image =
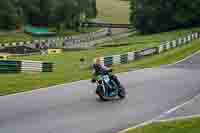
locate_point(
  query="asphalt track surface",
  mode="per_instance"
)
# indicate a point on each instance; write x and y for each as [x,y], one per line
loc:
[73,108]
[190,110]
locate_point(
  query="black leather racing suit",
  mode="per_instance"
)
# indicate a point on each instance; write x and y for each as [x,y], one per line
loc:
[102,70]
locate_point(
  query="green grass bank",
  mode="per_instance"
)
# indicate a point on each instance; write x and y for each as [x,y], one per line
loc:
[179,126]
[67,65]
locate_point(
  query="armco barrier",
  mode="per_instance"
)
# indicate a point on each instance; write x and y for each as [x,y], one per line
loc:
[146,52]
[136,55]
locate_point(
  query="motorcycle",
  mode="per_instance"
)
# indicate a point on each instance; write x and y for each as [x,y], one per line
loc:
[107,89]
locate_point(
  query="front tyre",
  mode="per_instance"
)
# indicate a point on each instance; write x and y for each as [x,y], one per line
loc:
[100,93]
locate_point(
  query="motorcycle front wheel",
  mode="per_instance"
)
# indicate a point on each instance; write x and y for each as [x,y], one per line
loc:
[99,93]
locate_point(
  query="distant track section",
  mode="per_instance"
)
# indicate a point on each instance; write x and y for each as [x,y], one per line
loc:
[106,25]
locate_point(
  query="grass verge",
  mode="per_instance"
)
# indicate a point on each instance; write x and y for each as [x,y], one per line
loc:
[67,65]
[169,57]
[14,37]
[179,126]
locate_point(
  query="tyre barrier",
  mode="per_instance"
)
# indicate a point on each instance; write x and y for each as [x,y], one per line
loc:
[36,66]
[10,66]
[108,61]
[136,55]
[124,59]
[59,42]
[24,66]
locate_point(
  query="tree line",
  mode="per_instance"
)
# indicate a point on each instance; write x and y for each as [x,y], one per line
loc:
[150,16]
[68,13]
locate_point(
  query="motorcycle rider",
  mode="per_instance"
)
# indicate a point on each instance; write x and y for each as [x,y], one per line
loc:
[100,69]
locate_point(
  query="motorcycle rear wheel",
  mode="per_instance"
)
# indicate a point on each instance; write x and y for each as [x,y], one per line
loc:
[122,93]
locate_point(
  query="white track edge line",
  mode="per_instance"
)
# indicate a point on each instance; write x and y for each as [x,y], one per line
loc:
[160,116]
[182,60]
[178,118]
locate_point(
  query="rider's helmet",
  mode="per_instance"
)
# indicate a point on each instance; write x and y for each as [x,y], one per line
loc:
[98,61]
[97,66]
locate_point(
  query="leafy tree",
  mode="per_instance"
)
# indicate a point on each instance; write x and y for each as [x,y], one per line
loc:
[151,16]
[8,14]
[68,13]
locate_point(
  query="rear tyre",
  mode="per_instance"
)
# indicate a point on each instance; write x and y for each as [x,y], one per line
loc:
[122,93]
